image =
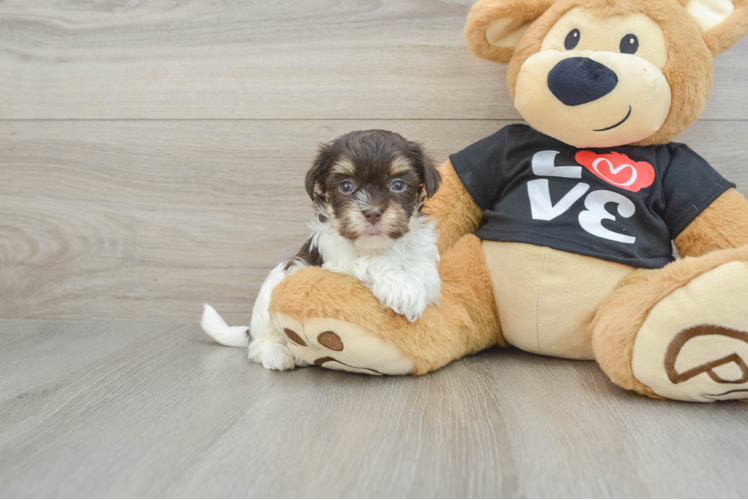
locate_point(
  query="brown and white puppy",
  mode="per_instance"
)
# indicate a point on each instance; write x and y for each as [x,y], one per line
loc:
[368,188]
[371,184]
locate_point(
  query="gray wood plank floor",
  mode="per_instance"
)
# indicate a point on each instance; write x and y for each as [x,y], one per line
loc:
[119,409]
[151,158]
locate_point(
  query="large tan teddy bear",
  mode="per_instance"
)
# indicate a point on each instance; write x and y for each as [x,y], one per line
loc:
[556,237]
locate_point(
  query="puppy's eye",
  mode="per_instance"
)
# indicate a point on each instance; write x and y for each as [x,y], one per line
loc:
[398,186]
[572,39]
[629,44]
[347,187]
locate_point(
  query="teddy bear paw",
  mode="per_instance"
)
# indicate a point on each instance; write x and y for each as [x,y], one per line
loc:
[339,345]
[694,344]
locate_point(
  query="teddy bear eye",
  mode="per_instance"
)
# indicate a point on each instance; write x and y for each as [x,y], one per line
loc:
[572,39]
[629,44]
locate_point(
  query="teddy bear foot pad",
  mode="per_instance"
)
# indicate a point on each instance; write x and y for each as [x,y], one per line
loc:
[339,345]
[694,344]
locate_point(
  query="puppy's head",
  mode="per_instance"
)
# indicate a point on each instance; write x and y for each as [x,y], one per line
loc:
[371,185]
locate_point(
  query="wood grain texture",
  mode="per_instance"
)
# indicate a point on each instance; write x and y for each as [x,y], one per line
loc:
[316,59]
[128,190]
[148,220]
[131,409]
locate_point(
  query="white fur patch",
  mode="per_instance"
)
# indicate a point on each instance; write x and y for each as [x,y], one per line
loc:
[268,345]
[214,325]
[403,275]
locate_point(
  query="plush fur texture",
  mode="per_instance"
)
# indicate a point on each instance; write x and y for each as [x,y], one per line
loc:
[547,298]
[723,36]
[724,224]
[486,12]
[621,315]
[454,209]
[465,322]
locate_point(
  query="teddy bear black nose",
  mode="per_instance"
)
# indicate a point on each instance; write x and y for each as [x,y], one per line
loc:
[579,80]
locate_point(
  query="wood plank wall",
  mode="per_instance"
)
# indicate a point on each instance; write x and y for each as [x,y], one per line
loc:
[152,152]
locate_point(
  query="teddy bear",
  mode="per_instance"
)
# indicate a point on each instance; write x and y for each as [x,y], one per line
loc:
[556,237]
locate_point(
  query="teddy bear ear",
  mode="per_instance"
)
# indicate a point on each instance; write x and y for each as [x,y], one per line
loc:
[494,27]
[722,22]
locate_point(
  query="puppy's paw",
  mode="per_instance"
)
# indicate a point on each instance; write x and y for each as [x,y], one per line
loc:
[272,355]
[414,308]
[403,297]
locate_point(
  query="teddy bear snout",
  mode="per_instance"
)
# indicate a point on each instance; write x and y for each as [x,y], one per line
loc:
[580,80]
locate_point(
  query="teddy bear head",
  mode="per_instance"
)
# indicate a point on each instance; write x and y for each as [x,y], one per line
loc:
[606,73]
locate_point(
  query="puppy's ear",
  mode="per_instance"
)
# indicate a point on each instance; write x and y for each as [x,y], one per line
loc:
[315,177]
[426,168]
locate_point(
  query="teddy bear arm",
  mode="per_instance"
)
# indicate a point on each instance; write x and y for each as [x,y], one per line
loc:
[333,320]
[724,224]
[454,209]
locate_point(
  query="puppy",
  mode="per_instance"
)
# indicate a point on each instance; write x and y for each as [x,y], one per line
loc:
[368,190]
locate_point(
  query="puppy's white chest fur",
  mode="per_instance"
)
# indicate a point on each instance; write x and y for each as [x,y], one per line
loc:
[403,274]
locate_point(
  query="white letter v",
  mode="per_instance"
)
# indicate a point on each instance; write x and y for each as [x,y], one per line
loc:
[540,199]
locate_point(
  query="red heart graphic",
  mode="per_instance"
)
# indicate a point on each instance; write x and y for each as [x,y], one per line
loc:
[619,170]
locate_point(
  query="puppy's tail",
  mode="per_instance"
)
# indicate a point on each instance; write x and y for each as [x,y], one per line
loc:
[214,325]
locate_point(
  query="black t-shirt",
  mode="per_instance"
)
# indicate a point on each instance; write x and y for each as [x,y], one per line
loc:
[622,204]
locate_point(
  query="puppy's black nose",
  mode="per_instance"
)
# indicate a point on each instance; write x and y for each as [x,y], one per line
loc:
[579,80]
[373,216]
